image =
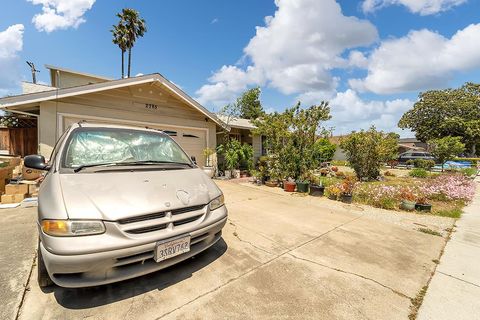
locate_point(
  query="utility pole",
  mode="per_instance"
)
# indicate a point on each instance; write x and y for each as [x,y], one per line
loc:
[34,71]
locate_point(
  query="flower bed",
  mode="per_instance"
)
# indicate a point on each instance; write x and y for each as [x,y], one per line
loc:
[448,192]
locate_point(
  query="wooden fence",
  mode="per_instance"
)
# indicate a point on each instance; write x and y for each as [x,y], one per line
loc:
[19,141]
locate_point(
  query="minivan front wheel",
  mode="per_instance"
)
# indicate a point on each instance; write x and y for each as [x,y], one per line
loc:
[43,278]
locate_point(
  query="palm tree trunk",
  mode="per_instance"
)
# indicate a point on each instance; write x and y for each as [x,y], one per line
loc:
[123,64]
[129,60]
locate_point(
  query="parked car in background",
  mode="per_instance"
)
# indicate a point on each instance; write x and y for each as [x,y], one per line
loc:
[414,155]
[119,202]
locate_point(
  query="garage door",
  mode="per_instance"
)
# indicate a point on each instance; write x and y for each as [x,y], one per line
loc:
[193,141]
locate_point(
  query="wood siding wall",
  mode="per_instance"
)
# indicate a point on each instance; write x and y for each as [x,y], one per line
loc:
[19,141]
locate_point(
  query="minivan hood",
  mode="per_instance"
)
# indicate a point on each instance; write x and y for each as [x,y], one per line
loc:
[115,195]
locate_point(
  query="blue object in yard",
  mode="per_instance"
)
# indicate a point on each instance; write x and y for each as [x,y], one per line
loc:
[455,165]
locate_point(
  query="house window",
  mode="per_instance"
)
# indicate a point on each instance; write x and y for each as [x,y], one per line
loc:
[170,133]
[190,136]
[235,136]
[264,150]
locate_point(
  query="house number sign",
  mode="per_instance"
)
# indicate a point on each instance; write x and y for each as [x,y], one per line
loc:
[151,106]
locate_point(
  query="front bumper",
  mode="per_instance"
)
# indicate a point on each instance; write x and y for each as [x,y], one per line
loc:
[92,269]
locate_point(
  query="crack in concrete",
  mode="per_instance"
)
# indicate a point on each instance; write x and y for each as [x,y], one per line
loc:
[26,287]
[235,234]
[235,223]
[459,279]
[257,267]
[353,274]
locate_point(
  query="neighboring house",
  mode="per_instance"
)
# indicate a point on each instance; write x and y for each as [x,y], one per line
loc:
[339,154]
[406,144]
[241,129]
[147,100]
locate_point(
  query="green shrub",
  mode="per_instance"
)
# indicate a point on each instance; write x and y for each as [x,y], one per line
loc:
[418,173]
[410,162]
[367,151]
[469,171]
[424,164]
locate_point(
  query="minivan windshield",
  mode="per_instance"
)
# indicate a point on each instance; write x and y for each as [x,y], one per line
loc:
[96,146]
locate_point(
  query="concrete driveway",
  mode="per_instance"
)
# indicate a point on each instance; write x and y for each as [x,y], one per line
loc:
[282,256]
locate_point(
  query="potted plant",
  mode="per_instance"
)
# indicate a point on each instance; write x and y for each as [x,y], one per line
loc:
[271,183]
[347,187]
[289,185]
[317,188]
[208,168]
[423,205]
[408,200]
[333,191]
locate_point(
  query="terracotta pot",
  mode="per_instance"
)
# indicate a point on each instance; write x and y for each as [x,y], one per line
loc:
[316,191]
[289,186]
[423,207]
[334,169]
[271,183]
[407,205]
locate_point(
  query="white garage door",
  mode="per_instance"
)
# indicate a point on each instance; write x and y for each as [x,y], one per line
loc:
[193,141]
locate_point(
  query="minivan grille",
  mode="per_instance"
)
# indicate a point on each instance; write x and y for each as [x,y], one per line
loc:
[156,226]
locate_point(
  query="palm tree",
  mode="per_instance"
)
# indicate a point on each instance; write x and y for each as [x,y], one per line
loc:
[129,29]
[119,33]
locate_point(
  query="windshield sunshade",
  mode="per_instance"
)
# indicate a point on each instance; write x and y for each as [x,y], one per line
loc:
[99,146]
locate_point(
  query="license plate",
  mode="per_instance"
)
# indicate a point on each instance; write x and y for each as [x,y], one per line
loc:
[171,248]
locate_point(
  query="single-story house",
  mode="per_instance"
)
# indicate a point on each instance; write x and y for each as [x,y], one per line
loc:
[406,144]
[147,100]
[241,129]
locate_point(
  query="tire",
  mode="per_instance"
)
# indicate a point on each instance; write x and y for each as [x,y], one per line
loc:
[43,278]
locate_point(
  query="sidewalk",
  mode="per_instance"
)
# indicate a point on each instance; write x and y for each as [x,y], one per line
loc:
[454,292]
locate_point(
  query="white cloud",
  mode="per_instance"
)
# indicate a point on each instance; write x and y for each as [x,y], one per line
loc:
[350,112]
[215,20]
[60,14]
[11,43]
[294,52]
[421,60]
[422,7]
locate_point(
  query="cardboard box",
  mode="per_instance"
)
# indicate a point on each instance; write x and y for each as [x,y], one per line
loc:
[13,161]
[30,174]
[32,189]
[2,186]
[12,198]
[6,173]
[16,189]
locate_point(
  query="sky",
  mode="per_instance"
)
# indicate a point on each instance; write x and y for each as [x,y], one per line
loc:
[369,59]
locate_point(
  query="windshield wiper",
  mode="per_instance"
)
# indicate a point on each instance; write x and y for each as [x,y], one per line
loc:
[105,164]
[147,162]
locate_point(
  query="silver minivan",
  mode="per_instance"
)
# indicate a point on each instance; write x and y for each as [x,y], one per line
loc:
[119,202]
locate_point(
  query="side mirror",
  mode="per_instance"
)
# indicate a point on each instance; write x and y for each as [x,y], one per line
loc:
[35,162]
[193,160]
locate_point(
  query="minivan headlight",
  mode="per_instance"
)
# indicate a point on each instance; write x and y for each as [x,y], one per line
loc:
[217,202]
[69,228]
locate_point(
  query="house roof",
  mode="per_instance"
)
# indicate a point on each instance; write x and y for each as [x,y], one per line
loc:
[14,102]
[52,68]
[239,123]
[408,140]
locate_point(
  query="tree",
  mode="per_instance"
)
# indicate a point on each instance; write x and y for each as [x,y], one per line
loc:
[366,151]
[250,105]
[290,137]
[324,149]
[119,33]
[446,148]
[130,27]
[449,112]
